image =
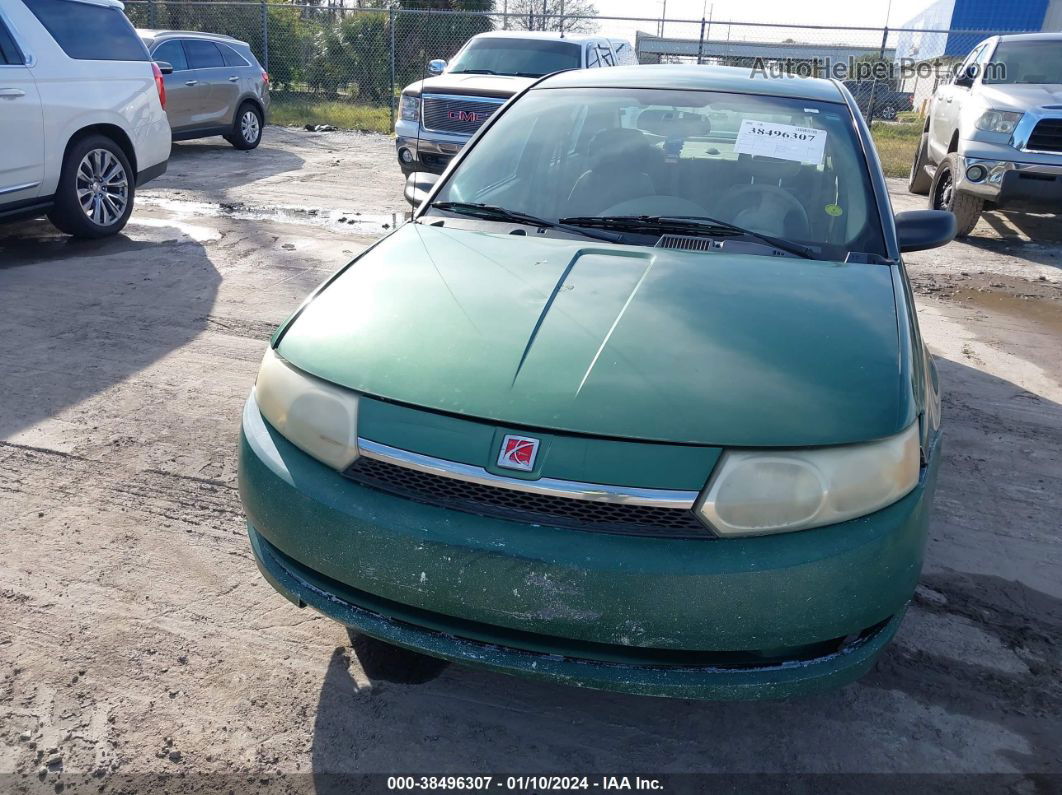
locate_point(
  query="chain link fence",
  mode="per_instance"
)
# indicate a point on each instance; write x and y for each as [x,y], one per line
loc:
[365,56]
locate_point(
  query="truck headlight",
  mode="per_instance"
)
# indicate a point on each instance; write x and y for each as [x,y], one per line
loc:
[756,492]
[999,121]
[409,108]
[319,418]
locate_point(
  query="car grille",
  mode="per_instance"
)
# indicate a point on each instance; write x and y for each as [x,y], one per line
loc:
[528,507]
[463,116]
[1046,136]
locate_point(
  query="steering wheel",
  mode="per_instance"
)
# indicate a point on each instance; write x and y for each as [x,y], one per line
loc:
[766,208]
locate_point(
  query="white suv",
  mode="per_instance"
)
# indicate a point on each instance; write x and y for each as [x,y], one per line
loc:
[82,114]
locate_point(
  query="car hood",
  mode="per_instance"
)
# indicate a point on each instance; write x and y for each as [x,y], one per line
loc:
[1021,97]
[615,341]
[503,86]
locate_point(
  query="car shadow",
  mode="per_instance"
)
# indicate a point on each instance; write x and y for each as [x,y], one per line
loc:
[213,166]
[78,317]
[1036,240]
[1002,718]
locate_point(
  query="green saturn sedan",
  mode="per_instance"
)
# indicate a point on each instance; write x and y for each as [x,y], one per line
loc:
[637,400]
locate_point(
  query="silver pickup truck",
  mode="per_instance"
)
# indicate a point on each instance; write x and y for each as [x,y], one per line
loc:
[993,135]
[439,114]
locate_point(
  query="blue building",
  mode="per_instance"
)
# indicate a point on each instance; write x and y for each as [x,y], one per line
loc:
[967,22]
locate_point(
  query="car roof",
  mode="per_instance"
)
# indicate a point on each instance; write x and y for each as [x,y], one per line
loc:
[576,38]
[105,3]
[156,35]
[733,79]
[1032,37]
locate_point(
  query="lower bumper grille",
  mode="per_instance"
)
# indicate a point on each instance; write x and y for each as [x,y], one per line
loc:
[530,508]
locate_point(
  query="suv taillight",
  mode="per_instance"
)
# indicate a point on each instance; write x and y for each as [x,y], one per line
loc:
[265,76]
[160,84]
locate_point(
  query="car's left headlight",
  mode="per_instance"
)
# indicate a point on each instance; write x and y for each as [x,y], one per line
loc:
[409,108]
[319,418]
[756,492]
[998,121]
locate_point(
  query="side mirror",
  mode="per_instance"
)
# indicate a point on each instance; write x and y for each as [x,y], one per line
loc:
[164,67]
[917,230]
[436,66]
[419,185]
[966,77]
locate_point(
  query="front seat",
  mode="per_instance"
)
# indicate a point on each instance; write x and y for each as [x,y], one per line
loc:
[619,158]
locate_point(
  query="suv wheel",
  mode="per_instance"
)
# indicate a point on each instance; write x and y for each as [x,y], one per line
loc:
[944,196]
[247,130]
[95,193]
[888,111]
[919,181]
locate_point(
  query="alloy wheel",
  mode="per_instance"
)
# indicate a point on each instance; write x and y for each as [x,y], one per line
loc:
[945,189]
[102,187]
[249,126]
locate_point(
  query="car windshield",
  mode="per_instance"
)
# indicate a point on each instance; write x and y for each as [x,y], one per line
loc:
[505,56]
[1026,62]
[787,168]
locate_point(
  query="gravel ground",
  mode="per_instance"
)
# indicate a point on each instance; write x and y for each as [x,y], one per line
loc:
[137,638]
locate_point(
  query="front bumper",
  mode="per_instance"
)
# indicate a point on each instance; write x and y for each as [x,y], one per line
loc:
[427,151]
[738,618]
[1012,184]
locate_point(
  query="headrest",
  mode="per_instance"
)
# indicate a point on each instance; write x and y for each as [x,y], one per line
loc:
[619,145]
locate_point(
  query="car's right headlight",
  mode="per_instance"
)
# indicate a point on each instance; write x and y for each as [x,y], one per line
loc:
[757,492]
[998,121]
[319,418]
[409,108]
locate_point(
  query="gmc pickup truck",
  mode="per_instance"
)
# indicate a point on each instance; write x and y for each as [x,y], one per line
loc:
[439,114]
[993,135]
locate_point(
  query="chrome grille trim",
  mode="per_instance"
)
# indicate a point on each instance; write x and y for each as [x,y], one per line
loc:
[594,492]
[436,109]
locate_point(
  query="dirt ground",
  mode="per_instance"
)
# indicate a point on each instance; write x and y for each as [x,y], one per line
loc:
[138,639]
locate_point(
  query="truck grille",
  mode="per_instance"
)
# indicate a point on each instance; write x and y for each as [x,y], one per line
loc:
[463,116]
[1046,136]
[527,507]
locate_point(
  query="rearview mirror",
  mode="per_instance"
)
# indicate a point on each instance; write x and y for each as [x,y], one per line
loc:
[436,66]
[164,67]
[418,186]
[966,77]
[917,230]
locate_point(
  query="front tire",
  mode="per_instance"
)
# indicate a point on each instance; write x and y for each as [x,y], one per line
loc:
[888,112]
[919,182]
[94,198]
[944,196]
[247,129]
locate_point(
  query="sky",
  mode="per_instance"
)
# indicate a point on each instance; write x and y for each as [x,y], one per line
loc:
[862,13]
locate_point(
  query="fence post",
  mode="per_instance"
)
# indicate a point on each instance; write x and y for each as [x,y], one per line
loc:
[874,78]
[265,35]
[391,20]
[700,45]
[152,22]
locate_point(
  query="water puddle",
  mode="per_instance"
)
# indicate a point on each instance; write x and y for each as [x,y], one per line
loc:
[355,223]
[1043,311]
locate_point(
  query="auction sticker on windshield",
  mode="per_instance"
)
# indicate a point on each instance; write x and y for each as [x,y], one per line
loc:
[782,141]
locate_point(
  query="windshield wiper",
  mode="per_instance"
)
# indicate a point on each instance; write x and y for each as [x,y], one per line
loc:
[696,224]
[492,212]
[474,72]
